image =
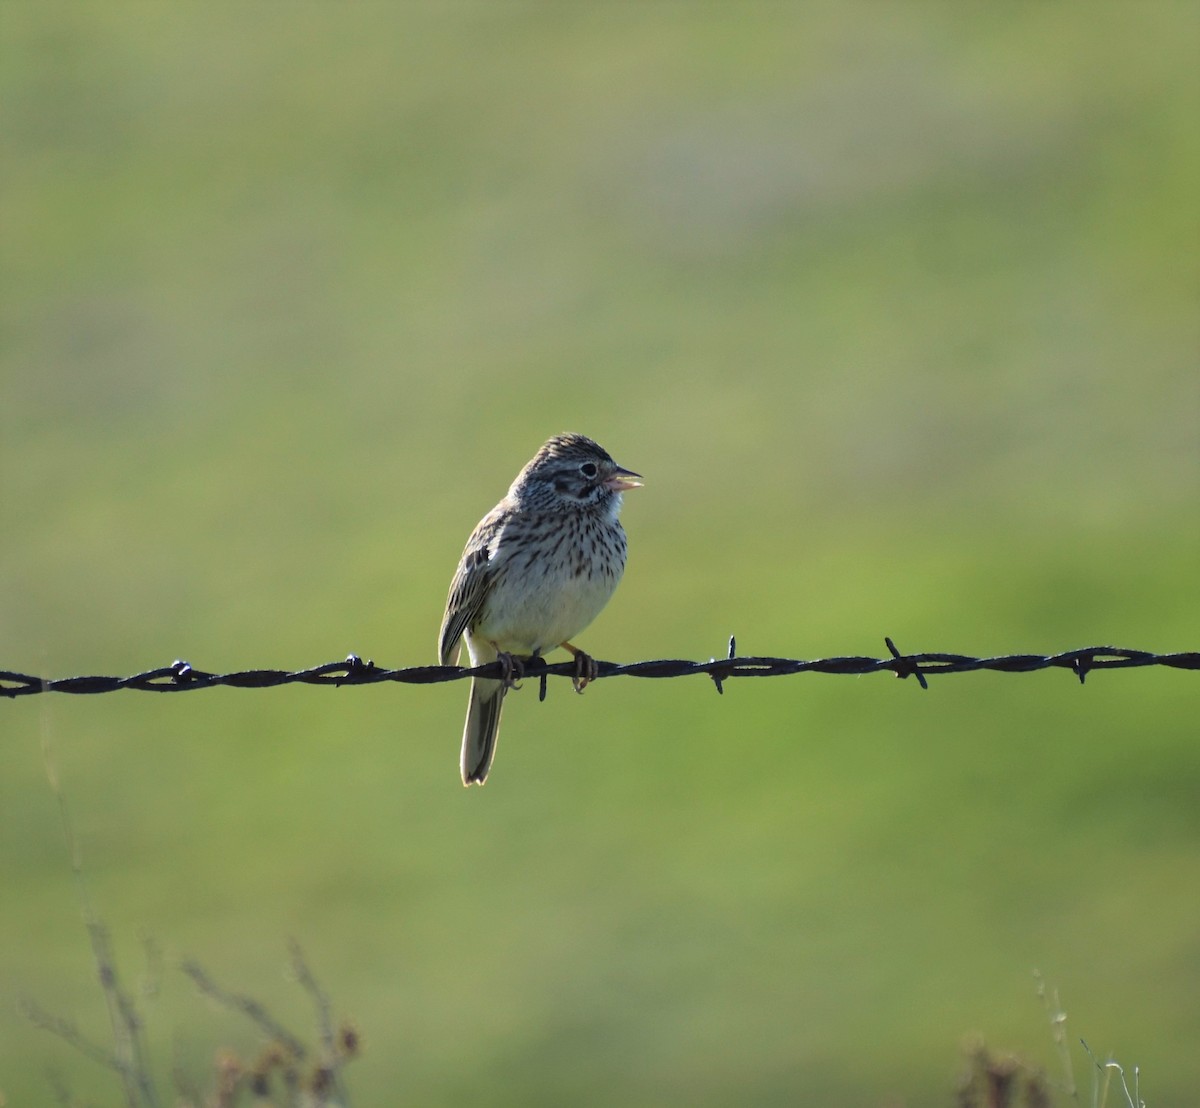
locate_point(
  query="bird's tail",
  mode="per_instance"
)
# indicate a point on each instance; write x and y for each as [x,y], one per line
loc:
[483,726]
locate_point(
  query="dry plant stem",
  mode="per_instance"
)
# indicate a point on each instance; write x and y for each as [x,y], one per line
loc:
[70,1034]
[1100,1087]
[333,1059]
[248,1006]
[126,1024]
[129,1055]
[1058,1029]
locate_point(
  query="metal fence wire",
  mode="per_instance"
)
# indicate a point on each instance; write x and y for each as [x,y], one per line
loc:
[182,677]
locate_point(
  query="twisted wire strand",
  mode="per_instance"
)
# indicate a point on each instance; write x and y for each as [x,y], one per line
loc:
[182,677]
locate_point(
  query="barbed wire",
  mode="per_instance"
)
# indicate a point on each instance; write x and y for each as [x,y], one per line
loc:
[182,677]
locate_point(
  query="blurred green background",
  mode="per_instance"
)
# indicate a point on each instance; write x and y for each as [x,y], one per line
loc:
[895,307]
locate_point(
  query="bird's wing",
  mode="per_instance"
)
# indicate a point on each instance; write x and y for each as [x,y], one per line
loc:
[471,584]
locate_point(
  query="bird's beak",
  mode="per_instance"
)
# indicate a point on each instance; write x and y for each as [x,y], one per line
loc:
[622,479]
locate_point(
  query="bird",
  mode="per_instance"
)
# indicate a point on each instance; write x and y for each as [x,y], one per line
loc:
[537,569]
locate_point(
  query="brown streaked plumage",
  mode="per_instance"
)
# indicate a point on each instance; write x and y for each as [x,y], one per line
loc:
[537,569]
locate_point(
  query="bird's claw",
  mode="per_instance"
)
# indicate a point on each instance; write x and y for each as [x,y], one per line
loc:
[586,671]
[512,669]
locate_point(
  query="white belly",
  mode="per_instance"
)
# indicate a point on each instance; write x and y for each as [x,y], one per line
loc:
[535,604]
[536,620]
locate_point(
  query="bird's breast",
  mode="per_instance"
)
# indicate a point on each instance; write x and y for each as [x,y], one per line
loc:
[553,577]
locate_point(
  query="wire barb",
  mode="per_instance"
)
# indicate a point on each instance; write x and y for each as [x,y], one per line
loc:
[716,672]
[1082,664]
[180,676]
[905,667]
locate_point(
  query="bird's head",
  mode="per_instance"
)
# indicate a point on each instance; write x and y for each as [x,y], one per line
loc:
[571,472]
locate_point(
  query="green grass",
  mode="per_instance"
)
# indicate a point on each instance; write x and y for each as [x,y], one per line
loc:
[896,313]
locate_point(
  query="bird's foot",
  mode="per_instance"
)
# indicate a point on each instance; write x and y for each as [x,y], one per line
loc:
[586,670]
[512,669]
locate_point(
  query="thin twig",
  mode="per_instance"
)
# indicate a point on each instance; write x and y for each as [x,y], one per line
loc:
[71,1035]
[333,1060]
[129,1052]
[248,1006]
[1106,1069]
[126,1024]
[1058,1029]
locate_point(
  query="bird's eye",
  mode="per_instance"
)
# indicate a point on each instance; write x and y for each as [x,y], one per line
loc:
[588,469]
